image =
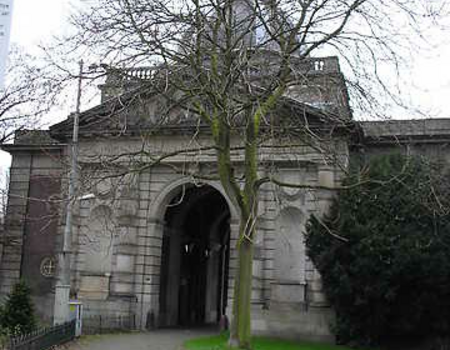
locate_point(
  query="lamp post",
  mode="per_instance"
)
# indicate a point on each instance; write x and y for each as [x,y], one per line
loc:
[62,288]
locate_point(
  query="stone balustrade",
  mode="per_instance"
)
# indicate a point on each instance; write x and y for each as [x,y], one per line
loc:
[316,65]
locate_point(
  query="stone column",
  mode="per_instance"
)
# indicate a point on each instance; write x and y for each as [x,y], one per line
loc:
[326,178]
[148,263]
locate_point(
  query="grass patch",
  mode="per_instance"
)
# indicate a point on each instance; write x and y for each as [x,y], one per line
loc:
[219,342]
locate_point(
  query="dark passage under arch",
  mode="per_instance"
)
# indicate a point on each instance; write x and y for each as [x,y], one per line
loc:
[195,255]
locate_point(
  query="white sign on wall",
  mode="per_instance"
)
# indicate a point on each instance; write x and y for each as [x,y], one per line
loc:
[5,32]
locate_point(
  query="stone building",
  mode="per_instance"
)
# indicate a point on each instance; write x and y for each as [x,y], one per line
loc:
[154,243]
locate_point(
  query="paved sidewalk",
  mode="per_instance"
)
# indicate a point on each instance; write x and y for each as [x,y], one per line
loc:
[163,339]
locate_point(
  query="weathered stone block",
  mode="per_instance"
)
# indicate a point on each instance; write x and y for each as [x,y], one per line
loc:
[21,160]
[124,263]
[94,287]
[316,285]
[45,161]
[257,268]
[120,287]
[288,293]
[318,298]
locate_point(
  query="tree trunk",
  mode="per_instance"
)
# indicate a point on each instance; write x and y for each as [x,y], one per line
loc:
[240,335]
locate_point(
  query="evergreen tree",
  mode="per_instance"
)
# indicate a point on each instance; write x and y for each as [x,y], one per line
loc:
[18,313]
[389,274]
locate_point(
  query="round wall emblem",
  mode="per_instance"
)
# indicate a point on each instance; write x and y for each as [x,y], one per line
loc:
[48,267]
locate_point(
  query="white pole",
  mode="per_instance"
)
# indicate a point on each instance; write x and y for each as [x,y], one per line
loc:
[6,8]
[62,289]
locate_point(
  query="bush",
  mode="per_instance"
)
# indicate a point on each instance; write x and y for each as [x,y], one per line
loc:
[18,312]
[388,276]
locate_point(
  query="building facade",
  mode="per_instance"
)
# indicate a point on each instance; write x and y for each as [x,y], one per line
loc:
[158,244]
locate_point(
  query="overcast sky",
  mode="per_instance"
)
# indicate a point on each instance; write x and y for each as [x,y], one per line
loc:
[35,20]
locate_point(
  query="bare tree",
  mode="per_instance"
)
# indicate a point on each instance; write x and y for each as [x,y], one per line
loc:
[243,72]
[30,92]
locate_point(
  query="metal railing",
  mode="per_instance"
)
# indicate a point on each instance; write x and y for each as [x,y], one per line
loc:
[43,338]
[97,324]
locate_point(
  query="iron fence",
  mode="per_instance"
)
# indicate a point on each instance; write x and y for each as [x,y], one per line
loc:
[43,338]
[97,324]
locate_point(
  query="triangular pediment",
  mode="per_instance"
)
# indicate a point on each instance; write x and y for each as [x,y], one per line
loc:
[142,111]
[133,112]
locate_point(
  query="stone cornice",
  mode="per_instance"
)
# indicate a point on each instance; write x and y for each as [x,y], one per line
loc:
[12,148]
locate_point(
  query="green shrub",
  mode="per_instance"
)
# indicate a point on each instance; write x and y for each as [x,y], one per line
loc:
[389,275]
[17,316]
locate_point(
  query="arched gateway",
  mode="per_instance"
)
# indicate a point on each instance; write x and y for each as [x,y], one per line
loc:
[195,224]
[194,259]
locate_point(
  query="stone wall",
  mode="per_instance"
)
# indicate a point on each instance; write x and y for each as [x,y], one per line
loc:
[294,304]
[15,222]
[119,224]
[126,279]
[30,238]
[429,138]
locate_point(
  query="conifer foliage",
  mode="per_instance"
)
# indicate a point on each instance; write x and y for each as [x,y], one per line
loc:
[18,313]
[388,277]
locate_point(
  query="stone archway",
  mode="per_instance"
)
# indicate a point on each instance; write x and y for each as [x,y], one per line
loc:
[194,259]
